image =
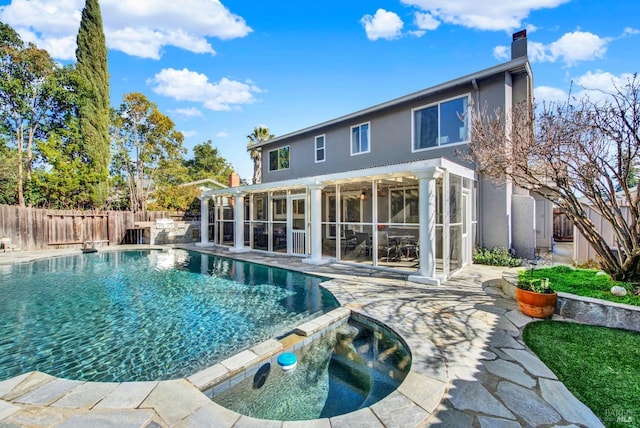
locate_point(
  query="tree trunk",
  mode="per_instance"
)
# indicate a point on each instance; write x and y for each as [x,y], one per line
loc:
[257,167]
[20,146]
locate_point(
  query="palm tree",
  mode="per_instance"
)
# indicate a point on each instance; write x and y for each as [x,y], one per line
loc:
[259,135]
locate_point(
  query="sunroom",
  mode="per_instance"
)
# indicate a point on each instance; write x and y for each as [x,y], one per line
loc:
[419,218]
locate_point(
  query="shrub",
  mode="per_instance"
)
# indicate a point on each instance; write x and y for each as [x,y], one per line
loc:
[498,256]
[537,285]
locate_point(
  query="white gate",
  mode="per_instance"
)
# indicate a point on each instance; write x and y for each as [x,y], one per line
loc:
[297,228]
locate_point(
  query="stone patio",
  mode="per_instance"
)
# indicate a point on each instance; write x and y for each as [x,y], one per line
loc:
[470,366]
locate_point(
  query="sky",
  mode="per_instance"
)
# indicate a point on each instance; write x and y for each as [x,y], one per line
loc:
[220,69]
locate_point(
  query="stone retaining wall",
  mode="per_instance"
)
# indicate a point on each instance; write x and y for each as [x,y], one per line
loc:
[586,310]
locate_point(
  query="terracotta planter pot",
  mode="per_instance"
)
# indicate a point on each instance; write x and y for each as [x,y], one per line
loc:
[537,305]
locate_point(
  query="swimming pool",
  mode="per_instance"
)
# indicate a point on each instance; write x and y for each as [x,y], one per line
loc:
[144,315]
[349,368]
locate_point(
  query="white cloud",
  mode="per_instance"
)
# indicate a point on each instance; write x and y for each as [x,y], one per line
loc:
[547,94]
[382,25]
[501,53]
[483,14]
[578,46]
[189,134]
[222,134]
[426,21]
[596,85]
[630,32]
[187,85]
[187,112]
[136,27]
[599,85]
[537,52]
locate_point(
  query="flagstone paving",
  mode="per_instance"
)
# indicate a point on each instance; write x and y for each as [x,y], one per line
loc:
[470,367]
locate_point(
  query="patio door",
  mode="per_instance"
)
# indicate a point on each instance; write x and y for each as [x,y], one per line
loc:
[297,225]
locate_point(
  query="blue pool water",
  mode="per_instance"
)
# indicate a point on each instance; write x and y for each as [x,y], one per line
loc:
[144,315]
[348,369]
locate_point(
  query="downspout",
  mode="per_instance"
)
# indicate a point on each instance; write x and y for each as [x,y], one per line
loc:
[478,195]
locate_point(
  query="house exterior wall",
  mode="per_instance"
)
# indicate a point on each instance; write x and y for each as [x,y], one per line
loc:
[390,136]
[391,142]
[523,224]
[495,215]
[503,222]
[544,223]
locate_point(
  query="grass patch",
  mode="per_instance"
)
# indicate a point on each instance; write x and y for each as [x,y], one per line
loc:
[582,282]
[599,365]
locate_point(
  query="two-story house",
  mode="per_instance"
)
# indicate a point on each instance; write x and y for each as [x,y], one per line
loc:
[385,187]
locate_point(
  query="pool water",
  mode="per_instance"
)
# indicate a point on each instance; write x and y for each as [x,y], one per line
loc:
[144,315]
[350,368]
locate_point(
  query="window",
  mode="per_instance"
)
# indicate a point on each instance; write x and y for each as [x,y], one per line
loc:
[404,205]
[279,159]
[320,151]
[360,139]
[441,124]
[279,209]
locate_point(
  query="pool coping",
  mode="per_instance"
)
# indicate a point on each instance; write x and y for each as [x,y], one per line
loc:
[136,399]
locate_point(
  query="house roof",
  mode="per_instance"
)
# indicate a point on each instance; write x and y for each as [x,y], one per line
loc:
[206,184]
[517,64]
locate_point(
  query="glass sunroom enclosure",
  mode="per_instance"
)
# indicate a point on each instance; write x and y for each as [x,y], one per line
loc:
[373,219]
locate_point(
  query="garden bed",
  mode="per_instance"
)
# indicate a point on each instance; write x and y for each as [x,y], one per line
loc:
[585,309]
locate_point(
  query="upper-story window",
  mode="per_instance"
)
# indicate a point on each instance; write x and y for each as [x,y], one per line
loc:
[279,159]
[320,148]
[360,139]
[441,124]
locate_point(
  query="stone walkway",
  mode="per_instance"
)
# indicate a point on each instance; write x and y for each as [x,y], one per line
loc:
[470,367]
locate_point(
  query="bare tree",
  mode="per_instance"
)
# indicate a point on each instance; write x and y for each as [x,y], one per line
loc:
[580,152]
[259,135]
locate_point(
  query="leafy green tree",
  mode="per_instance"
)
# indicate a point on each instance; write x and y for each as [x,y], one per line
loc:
[8,176]
[143,138]
[172,172]
[91,55]
[176,198]
[208,163]
[32,104]
[67,179]
[259,135]
[172,194]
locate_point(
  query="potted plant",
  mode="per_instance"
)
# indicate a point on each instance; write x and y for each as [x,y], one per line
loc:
[536,298]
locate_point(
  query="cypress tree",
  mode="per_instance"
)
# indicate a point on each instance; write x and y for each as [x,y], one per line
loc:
[94,108]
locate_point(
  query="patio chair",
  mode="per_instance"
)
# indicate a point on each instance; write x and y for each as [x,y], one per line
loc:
[350,240]
[387,247]
[362,243]
[5,241]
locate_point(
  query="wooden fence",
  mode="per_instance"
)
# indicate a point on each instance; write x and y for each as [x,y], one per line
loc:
[562,226]
[39,229]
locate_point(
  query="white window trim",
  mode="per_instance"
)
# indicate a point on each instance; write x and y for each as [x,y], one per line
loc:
[351,138]
[324,147]
[269,159]
[439,146]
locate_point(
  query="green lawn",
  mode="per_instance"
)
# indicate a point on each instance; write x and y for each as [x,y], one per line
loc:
[582,282]
[599,365]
